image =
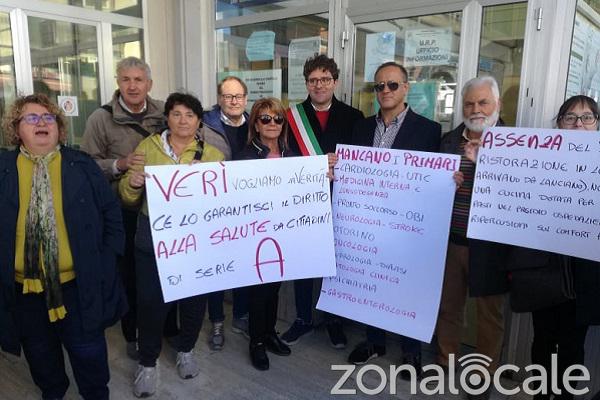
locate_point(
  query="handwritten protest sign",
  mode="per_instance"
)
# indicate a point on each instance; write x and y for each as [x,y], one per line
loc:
[391,215]
[538,188]
[217,226]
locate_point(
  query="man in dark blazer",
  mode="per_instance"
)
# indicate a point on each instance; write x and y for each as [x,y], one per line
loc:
[318,125]
[395,126]
[476,267]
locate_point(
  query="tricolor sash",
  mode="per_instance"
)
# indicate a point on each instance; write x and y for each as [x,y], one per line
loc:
[303,132]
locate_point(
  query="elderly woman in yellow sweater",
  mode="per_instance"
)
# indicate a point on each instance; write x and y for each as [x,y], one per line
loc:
[179,144]
[61,232]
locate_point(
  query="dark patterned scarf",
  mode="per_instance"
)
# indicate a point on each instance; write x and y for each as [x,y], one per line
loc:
[41,246]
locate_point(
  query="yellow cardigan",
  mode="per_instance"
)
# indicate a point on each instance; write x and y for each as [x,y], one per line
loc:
[65,258]
[152,148]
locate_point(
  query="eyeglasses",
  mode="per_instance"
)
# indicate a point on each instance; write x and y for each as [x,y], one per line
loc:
[392,85]
[265,119]
[325,81]
[229,97]
[34,119]
[586,119]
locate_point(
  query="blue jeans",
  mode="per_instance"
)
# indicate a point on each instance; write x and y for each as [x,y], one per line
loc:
[410,346]
[43,343]
[215,304]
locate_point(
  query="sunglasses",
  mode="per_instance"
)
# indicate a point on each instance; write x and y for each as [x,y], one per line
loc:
[392,85]
[265,119]
[34,119]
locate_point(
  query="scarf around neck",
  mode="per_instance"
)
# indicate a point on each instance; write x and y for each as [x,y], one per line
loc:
[41,273]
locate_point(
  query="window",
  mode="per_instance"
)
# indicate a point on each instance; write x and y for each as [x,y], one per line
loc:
[127,42]
[269,56]
[501,52]
[7,69]
[235,8]
[64,62]
[132,8]
[427,46]
[584,61]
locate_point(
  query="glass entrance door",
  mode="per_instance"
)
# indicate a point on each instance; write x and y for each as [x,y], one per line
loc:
[427,46]
[7,69]
[64,65]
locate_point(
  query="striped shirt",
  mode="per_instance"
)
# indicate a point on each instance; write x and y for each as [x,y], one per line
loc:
[462,198]
[385,136]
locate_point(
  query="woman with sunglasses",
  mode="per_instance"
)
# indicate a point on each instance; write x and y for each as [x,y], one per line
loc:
[180,143]
[61,232]
[267,138]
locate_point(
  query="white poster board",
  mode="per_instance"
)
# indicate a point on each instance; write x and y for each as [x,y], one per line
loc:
[391,215]
[428,46]
[217,226]
[299,51]
[260,83]
[380,48]
[538,188]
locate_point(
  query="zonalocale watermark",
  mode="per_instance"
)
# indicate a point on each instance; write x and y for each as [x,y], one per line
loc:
[473,378]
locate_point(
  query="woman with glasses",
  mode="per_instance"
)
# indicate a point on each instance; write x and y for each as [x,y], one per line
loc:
[560,322]
[180,143]
[61,232]
[562,328]
[267,138]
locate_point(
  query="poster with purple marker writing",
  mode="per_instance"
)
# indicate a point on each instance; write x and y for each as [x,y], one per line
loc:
[538,188]
[218,226]
[391,217]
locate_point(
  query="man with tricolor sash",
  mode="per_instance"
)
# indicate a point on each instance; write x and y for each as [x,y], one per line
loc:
[318,124]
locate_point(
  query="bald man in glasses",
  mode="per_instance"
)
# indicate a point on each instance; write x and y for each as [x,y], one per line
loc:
[395,126]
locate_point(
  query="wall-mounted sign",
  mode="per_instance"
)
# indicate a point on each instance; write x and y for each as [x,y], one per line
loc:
[68,105]
[261,83]
[429,46]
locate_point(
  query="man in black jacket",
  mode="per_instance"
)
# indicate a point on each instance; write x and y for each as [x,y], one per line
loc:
[472,266]
[395,126]
[318,125]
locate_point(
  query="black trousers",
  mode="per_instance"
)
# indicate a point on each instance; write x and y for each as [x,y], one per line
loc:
[127,268]
[262,310]
[126,264]
[153,311]
[556,332]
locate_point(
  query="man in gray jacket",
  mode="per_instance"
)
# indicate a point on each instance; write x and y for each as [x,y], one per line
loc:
[111,135]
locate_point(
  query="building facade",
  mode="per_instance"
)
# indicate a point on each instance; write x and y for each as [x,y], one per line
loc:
[540,51]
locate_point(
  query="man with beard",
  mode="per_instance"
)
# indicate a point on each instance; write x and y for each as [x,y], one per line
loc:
[472,265]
